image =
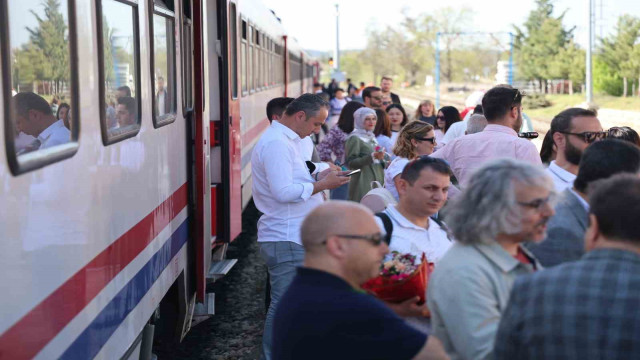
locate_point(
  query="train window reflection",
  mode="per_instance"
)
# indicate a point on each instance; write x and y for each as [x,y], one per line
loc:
[42,93]
[120,79]
[164,80]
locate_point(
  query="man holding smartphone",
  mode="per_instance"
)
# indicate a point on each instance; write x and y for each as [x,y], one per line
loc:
[285,192]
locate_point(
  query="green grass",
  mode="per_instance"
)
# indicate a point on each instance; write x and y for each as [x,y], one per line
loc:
[561,102]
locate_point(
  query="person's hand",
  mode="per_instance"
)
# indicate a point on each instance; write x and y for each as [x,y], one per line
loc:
[333,166]
[379,155]
[410,308]
[333,179]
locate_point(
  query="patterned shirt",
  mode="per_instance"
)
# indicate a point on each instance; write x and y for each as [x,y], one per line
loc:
[333,143]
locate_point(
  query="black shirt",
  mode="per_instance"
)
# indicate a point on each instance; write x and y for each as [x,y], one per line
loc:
[395,98]
[322,317]
[428,119]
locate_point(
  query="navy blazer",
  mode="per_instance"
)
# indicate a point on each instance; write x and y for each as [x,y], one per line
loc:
[565,234]
[587,309]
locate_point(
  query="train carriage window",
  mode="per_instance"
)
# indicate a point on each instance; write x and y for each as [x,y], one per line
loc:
[39,82]
[256,64]
[163,75]
[187,57]
[243,57]
[234,50]
[250,66]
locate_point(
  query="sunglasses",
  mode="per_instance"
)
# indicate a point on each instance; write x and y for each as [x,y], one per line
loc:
[431,139]
[440,117]
[539,203]
[588,136]
[374,239]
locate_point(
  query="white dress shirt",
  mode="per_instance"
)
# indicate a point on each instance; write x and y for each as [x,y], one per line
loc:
[306,151]
[282,185]
[409,238]
[55,134]
[456,130]
[562,179]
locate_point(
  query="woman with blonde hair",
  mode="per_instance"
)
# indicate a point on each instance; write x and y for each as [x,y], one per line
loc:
[426,112]
[414,140]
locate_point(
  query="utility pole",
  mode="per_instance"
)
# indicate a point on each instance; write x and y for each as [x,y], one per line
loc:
[589,82]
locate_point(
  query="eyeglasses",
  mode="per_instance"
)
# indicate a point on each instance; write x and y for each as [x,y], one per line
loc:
[588,136]
[377,97]
[374,239]
[539,203]
[431,140]
[440,117]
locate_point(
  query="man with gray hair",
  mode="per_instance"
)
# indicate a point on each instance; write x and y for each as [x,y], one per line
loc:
[324,314]
[476,123]
[505,203]
[285,192]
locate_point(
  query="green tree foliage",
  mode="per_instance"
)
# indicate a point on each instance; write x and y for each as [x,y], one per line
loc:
[605,79]
[620,50]
[545,49]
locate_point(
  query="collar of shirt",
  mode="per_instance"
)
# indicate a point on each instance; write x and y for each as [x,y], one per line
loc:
[499,256]
[561,173]
[582,201]
[286,131]
[618,255]
[46,133]
[403,221]
[320,278]
[501,129]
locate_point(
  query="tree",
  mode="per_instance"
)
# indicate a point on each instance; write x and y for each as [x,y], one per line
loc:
[618,49]
[542,45]
[450,20]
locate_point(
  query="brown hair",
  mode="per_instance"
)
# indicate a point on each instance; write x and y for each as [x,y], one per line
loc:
[404,147]
[383,125]
[418,113]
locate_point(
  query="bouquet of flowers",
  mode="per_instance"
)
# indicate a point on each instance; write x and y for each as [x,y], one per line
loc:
[401,279]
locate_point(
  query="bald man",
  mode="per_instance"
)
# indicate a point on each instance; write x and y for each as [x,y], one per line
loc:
[324,314]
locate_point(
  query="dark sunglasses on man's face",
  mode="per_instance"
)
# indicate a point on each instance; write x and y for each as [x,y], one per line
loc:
[431,139]
[374,239]
[588,136]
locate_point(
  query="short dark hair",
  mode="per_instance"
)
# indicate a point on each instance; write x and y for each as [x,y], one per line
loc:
[412,170]
[366,93]
[405,118]
[339,89]
[615,202]
[624,133]
[562,121]
[386,78]
[25,101]
[126,89]
[451,116]
[546,150]
[604,159]
[478,109]
[277,105]
[499,100]
[346,120]
[309,103]
[129,103]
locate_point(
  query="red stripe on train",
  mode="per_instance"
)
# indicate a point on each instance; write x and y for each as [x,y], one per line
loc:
[32,332]
[255,131]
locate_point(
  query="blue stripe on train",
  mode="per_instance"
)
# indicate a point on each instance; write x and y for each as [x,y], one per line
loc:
[93,338]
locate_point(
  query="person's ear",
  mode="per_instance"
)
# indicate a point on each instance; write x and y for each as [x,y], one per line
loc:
[403,186]
[592,234]
[336,247]
[559,140]
[414,142]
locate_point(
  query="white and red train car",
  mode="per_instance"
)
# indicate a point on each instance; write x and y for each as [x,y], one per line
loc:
[117,231]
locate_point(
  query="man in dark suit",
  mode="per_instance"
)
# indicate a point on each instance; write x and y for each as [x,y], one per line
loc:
[385,85]
[586,309]
[565,236]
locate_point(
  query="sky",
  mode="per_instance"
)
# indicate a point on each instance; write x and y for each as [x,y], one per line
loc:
[316,31]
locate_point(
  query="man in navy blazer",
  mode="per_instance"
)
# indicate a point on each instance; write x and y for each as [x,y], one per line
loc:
[587,309]
[565,235]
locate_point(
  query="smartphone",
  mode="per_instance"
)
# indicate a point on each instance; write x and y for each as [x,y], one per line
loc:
[352,172]
[528,135]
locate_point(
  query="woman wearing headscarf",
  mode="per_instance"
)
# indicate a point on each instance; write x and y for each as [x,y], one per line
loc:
[361,154]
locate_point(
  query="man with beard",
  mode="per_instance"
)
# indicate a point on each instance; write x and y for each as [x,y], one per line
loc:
[502,106]
[565,239]
[506,202]
[573,130]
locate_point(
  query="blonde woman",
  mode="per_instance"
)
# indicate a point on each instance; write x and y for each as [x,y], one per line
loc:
[414,140]
[426,112]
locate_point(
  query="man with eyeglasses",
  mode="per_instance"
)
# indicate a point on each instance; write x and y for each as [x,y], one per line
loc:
[505,203]
[324,314]
[372,97]
[601,160]
[502,107]
[573,130]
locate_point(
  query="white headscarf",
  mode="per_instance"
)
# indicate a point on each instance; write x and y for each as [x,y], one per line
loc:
[358,125]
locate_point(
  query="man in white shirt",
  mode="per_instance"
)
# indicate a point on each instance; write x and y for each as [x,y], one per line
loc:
[34,117]
[423,188]
[285,192]
[573,130]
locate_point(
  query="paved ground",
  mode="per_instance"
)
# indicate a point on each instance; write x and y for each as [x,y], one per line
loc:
[235,331]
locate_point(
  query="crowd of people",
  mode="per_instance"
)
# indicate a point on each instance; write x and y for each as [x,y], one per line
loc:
[534,253]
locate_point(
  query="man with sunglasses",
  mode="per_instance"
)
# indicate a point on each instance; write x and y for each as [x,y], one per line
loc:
[324,314]
[573,130]
[564,241]
[502,107]
[372,97]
